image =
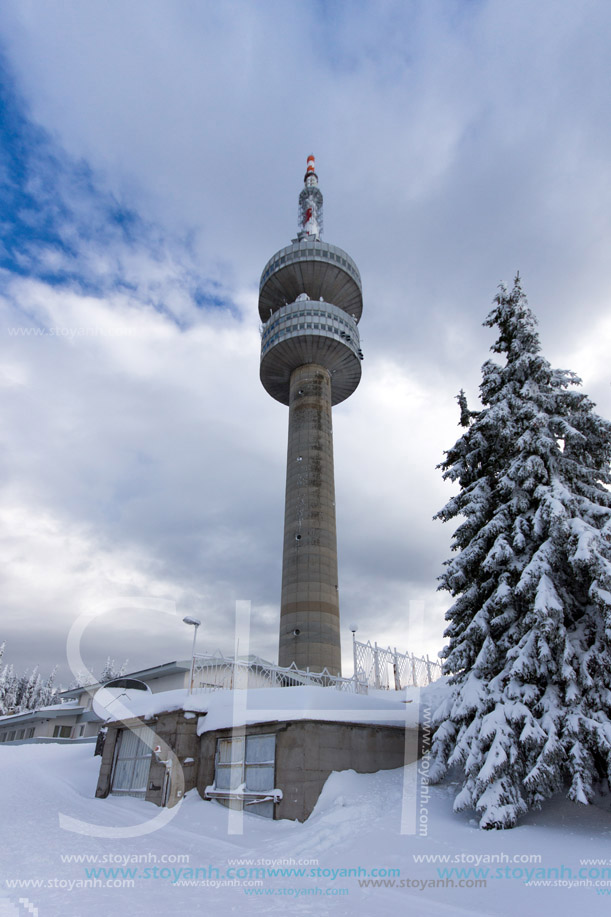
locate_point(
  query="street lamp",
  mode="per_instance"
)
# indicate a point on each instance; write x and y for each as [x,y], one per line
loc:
[195,624]
[354,628]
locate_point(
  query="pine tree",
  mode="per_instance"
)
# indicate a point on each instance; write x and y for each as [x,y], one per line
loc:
[81,679]
[29,690]
[25,692]
[48,694]
[111,671]
[529,652]
[9,683]
[3,682]
[108,672]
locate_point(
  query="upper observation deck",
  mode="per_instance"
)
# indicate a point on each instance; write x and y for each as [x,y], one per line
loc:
[325,272]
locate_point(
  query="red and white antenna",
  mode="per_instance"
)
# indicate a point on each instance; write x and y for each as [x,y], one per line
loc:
[310,204]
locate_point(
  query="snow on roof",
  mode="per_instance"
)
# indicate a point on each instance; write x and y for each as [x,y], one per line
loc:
[171,668]
[156,671]
[262,705]
[68,708]
[229,708]
[67,705]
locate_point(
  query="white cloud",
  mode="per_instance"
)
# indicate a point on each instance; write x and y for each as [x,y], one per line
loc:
[455,143]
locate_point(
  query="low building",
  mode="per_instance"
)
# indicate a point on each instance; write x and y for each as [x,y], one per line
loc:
[268,751]
[61,722]
[74,716]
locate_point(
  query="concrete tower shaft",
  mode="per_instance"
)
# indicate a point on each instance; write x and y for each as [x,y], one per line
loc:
[310,301]
[309,613]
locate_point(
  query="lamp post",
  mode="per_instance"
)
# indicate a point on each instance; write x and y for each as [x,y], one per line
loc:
[354,628]
[195,624]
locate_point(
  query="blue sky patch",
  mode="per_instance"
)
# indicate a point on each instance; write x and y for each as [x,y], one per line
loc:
[57,219]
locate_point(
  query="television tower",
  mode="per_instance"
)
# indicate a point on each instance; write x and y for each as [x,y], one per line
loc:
[310,301]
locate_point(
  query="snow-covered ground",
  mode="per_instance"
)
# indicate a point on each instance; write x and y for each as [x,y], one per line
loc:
[355,826]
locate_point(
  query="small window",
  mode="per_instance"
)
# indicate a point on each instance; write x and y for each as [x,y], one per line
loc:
[20,733]
[2,736]
[30,734]
[62,732]
[11,736]
[246,765]
[230,764]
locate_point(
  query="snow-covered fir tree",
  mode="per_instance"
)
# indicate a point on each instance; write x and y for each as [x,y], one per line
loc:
[529,652]
[30,688]
[81,679]
[48,691]
[111,670]
[9,688]
[25,692]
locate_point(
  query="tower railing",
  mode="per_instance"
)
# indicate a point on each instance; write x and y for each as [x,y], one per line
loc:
[307,317]
[309,251]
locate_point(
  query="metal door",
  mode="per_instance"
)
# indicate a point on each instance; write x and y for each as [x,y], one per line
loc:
[132,762]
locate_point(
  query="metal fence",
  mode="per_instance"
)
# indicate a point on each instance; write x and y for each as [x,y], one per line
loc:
[385,668]
[375,667]
[213,672]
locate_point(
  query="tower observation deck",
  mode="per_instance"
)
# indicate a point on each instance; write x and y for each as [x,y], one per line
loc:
[310,301]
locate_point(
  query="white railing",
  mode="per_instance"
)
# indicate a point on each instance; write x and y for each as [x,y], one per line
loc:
[213,672]
[377,667]
[386,669]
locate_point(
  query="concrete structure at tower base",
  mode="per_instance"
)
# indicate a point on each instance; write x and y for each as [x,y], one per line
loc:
[308,752]
[269,764]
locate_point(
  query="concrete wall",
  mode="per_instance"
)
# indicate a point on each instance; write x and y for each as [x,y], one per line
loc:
[103,787]
[169,682]
[45,727]
[85,700]
[179,734]
[176,734]
[307,751]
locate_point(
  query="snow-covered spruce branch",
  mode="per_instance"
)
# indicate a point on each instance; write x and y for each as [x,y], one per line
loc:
[529,651]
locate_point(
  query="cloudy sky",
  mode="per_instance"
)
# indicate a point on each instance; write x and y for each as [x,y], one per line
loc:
[152,154]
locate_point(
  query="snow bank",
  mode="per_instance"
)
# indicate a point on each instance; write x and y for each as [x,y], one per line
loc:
[356,828]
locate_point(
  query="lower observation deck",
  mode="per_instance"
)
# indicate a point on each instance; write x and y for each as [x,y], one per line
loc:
[305,332]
